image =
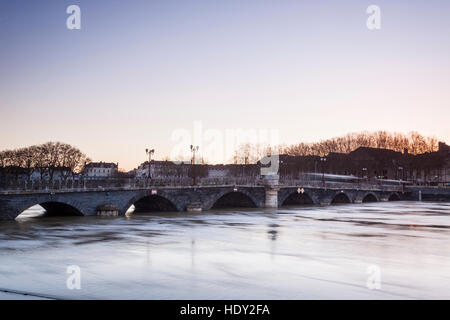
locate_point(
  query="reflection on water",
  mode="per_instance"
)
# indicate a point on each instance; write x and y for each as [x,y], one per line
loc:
[292,253]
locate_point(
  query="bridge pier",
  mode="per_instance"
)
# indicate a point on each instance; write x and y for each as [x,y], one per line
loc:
[271,186]
[194,207]
[107,210]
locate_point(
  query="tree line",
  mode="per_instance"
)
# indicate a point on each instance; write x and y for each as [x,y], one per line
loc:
[46,159]
[50,157]
[414,142]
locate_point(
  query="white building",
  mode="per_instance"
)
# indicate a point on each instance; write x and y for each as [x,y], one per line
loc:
[100,169]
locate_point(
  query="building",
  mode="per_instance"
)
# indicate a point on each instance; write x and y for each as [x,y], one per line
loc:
[100,170]
[431,168]
[162,169]
[170,169]
[445,169]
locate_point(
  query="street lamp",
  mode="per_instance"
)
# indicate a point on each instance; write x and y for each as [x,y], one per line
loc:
[322,161]
[149,152]
[245,163]
[281,167]
[194,149]
[401,177]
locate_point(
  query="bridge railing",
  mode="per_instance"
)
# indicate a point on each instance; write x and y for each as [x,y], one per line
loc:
[120,184]
[308,183]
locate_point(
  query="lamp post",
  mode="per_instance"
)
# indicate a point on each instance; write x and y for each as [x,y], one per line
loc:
[401,177]
[194,149]
[243,167]
[149,152]
[322,161]
[280,169]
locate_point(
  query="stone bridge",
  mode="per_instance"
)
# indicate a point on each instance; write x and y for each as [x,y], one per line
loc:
[116,201]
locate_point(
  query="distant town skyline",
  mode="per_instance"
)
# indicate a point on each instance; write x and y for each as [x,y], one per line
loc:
[58,154]
[137,72]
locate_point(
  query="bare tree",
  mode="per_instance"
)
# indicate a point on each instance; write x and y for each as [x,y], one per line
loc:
[46,159]
[414,142]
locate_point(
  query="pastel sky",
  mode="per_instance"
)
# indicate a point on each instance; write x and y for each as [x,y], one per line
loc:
[139,70]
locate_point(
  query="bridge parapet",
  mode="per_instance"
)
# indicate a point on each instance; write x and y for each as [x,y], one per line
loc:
[340,185]
[118,184]
[271,181]
[429,193]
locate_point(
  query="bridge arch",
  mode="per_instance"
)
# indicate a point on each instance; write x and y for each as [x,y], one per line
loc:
[295,198]
[394,197]
[53,207]
[340,198]
[147,202]
[370,197]
[231,198]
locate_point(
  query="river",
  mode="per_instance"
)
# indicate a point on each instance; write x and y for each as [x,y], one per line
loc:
[388,250]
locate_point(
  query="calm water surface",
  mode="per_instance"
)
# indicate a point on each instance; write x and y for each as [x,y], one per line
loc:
[291,253]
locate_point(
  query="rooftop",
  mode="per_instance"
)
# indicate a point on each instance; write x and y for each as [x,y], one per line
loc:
[102,165]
